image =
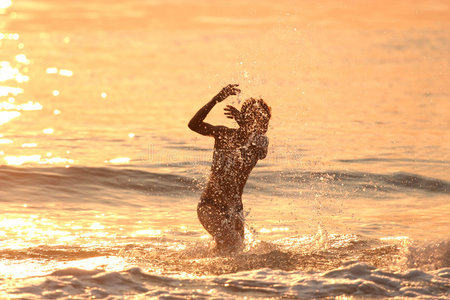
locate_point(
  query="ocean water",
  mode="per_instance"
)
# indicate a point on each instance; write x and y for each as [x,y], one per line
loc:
[100,176]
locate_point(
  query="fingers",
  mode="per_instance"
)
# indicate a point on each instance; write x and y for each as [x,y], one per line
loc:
[233,85]
[228,112]
[229,108]
[231,89]
[227,91]
[234,88]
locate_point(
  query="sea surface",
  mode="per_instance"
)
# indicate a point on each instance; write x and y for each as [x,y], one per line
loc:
[100,175]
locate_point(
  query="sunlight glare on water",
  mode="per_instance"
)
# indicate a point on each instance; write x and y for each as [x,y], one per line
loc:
[6,116]
[21,269]
[5,4]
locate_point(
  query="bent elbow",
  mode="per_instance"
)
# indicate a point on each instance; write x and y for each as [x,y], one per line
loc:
[192,126]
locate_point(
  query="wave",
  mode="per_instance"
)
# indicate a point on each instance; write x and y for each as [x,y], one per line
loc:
[408,160]
[75,180]
[306,267]
[78,180]
[359,279]
[354,181]
[309,253]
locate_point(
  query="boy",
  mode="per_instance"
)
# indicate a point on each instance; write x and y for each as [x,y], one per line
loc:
[236,152]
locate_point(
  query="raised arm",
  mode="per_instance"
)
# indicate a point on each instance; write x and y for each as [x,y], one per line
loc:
[197,123]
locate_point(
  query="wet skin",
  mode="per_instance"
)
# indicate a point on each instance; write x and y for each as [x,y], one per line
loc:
[236,152]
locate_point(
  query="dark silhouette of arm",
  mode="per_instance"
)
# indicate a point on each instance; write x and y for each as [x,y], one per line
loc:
[197,123]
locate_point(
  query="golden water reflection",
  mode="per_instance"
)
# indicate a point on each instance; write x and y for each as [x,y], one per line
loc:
[4,4]
[29,145]
[22,269]
[29,106]
[5,141]
[62,72]
[11,108]
[48,130]
[36,158]
[6,90]
[8,72]
[6,116]
[118,160]
[34,230]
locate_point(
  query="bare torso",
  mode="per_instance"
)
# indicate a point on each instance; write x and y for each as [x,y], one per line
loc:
[233,160]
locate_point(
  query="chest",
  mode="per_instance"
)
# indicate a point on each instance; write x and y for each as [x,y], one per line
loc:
[230,142]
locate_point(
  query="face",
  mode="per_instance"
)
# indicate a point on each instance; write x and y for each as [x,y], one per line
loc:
[256,119]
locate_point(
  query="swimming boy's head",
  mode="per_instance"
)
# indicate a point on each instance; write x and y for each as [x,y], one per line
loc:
[256,115]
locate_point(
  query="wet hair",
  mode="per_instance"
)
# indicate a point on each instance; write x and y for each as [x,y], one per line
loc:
[251,102]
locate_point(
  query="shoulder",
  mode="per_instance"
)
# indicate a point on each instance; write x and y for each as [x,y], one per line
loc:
[259,140]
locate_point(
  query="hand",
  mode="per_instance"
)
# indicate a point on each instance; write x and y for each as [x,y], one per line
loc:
[233,113]
[227,91]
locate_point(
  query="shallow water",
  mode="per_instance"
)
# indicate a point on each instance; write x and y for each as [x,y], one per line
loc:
[100,176]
